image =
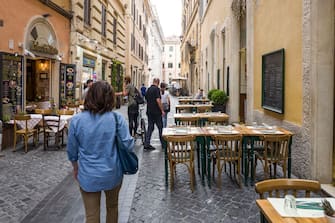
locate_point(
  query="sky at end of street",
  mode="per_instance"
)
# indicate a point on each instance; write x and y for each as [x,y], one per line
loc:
[169,13]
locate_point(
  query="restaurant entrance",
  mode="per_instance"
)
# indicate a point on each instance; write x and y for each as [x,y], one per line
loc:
[38,76]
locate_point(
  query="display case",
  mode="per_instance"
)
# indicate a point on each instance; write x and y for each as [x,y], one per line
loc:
[67,88]
[11,75]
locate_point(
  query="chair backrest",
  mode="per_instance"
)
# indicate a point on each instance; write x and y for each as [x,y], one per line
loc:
[51,123]
[276,147]
[281,187]
[219,120]
[228,147]
[65,112]
[24,118]
[180,148]
[188,121]
[43,111]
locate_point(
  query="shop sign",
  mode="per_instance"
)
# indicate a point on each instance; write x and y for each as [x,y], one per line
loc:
[88,62]
[42,48]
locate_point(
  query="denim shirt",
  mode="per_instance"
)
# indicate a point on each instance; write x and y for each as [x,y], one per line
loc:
[91,142]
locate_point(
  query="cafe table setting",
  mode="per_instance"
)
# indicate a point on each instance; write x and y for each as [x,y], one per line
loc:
[290,209]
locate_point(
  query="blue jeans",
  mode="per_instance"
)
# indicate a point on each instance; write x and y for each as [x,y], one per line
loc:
[164,119]
[152,120]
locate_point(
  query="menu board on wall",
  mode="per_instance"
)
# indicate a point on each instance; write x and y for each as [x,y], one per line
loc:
[273,66]
[67,84]
[11,69]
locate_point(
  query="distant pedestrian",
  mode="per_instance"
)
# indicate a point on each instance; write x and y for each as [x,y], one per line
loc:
[165,98]
[143,90]
[92,149]
[88,85]
[200,94]
[130,91]
[154,112]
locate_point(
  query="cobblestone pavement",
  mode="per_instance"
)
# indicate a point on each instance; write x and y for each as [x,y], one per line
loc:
[38,187]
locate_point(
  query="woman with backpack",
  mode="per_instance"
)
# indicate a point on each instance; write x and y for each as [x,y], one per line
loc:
[130,91]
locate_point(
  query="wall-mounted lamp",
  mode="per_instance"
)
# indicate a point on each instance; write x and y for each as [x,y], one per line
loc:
[43,65]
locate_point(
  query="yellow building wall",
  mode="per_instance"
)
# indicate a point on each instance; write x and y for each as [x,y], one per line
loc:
[277,25]
[15,25]
[217,12]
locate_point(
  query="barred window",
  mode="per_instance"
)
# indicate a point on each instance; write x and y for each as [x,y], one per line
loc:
[87,12]
[103,20]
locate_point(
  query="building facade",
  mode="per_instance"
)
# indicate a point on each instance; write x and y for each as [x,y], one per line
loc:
[171,61]
[138,15]
[305,36]
[98,42]
[190,46]
[155,49]
[277,70]
[34,46]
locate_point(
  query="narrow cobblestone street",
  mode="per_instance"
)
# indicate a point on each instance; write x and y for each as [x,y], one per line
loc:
[38,187]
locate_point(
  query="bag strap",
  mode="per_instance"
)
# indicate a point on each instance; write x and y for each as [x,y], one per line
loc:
[116,123]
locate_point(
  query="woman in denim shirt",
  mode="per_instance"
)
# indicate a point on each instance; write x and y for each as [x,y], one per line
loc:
[92,150]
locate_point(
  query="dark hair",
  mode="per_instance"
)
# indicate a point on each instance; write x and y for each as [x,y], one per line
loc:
[127,79]
[89,81]
[100,98]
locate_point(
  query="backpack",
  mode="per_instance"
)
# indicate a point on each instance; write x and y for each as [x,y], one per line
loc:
[138,97]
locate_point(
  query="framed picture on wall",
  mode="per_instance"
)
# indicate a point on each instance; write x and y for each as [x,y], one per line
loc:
[273,67]
[43,75]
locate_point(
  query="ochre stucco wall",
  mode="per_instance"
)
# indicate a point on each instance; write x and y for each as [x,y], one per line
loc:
[277,25]
[17,15]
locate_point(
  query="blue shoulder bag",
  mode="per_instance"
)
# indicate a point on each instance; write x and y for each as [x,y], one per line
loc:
[128,159]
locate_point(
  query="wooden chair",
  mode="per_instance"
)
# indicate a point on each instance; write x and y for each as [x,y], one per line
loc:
[275,153]
[217,121]
[65,112]
[281,187]
[181,151]
[188,121]
[25,132]
[42,112]
[52,128]
[227,150]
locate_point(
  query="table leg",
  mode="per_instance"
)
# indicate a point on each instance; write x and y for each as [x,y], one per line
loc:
[202,158]
[208,162]
[245,160]
[252,166]
[166,162]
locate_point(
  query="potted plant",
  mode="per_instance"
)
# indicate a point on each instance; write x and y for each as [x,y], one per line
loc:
[219,99]
[329,211]
[210,93]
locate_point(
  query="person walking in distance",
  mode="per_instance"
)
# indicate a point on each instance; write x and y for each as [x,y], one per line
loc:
[154,112]
[165,102]
[143,90]
[129,90]
[89,84]
[92,150]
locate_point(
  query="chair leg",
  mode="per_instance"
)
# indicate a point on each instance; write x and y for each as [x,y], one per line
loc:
[26,143]
[14,148]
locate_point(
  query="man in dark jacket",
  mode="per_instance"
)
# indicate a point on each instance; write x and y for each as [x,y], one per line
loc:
[155,112]
[130,91]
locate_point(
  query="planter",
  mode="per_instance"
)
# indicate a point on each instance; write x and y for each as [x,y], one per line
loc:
[330,219]
[219,108]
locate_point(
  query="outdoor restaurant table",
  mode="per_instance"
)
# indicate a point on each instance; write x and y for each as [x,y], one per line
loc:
[32,122]
[202,117]
[192,107]
[272,216]
[253,133]
[64,119]
[187,131]
[193,100]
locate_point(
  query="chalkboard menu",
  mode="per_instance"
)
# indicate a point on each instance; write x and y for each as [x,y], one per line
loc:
[273,66]
[67,84]
[11,70]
